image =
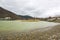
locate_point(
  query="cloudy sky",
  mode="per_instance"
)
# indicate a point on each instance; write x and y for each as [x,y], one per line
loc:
[35,8]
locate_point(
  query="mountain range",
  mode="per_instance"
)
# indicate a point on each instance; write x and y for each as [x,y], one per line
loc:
[5,13]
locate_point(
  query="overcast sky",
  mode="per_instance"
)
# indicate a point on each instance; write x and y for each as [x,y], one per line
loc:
[35,8]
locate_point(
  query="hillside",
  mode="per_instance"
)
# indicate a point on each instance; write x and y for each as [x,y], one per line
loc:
[5,13]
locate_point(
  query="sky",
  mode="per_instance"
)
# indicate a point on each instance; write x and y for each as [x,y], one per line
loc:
[34,8]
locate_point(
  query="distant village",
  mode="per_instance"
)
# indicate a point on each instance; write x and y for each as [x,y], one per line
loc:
[51,19]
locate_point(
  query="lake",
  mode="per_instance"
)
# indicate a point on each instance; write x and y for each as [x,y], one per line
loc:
[23,26]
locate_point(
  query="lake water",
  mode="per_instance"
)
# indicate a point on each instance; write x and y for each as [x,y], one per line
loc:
[22,26]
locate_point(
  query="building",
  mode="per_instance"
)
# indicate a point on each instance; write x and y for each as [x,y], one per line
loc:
[5,18]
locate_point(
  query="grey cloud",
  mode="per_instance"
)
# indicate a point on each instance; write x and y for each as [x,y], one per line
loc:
[37,8]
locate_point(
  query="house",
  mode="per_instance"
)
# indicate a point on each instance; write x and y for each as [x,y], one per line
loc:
[52,19]
[7,18]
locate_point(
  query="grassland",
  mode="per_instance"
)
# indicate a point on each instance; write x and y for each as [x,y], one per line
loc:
[36,34]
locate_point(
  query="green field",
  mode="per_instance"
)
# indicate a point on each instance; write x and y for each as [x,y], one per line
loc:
[23,26]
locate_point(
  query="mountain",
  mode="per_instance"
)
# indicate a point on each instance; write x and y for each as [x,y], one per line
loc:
[5,13]
[25,17]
